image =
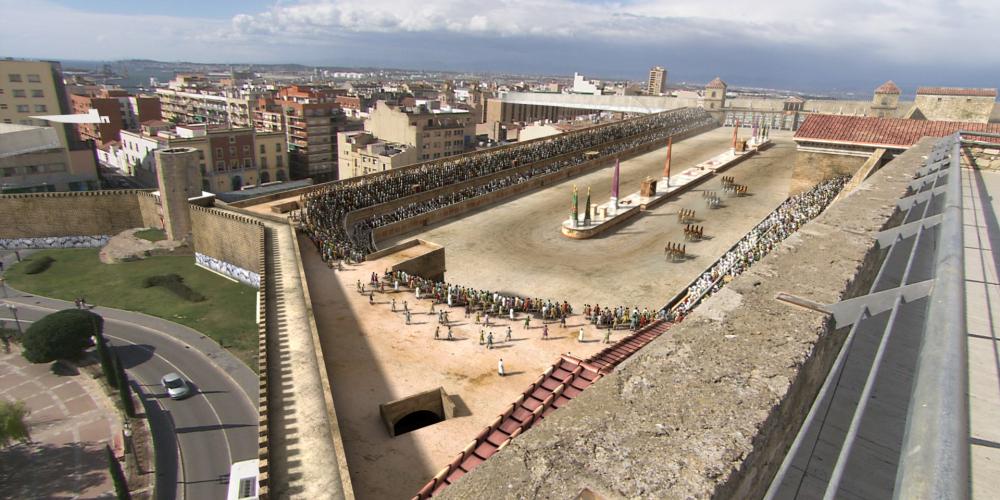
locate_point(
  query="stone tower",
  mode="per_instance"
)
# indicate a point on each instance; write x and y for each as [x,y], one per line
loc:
[885,102]
[179,177]
[715,95]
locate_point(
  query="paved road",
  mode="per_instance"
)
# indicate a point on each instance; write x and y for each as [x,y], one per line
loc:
[209,430]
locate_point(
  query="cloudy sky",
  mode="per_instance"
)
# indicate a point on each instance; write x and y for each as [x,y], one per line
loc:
[805,44]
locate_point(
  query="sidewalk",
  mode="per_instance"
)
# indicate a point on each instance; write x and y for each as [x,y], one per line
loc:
[70,423]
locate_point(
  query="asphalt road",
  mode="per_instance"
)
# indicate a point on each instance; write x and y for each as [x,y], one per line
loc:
[196,438]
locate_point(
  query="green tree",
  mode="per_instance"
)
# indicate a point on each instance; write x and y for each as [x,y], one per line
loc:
[60,335]
[117,475]
[12,422]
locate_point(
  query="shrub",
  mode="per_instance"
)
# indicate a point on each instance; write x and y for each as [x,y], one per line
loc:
[175,284]
[38,265]
[13,422]
[60,335]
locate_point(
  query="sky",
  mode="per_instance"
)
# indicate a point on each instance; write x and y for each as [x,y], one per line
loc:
[811,45]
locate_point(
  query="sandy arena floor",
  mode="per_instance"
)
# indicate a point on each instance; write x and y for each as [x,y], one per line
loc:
[374,357]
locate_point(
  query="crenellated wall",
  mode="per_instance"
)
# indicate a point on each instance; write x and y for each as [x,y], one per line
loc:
[85,213]
[226,236]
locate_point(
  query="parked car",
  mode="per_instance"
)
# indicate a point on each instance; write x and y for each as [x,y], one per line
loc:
[175,385]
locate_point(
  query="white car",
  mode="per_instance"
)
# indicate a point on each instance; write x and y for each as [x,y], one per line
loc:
[175,386]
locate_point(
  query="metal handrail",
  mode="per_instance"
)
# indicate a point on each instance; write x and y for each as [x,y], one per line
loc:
[934,459]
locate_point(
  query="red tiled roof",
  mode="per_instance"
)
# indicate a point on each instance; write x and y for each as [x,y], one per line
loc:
[717,83]
[957,91]
[875,131]
[888,87]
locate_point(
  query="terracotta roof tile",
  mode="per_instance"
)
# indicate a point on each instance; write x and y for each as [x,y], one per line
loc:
[717,83]
[881,132]
[888,87]
[957,91]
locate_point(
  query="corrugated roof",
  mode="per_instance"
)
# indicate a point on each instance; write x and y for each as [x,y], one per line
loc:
[876,131]
[957,91]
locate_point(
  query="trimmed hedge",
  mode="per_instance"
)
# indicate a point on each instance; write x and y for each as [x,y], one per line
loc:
[60,335]
[174,283]
[38,265]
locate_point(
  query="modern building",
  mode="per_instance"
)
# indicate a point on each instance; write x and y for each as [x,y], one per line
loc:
[124,112]
[31,88]
[657,84]
[360,153]
[195,99]
[34,159]
[230,158]
[310,118]
[583,86]
[434,131]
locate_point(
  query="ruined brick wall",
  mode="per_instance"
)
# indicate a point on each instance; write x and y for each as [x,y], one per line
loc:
[88,213]
[812,168]
[226,236]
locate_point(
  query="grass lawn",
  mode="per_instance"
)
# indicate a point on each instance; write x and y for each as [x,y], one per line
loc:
[152,235]
[227,315]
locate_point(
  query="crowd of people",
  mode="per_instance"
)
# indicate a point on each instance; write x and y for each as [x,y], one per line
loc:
[324,215]
[475,301]
[619,317]
[783,221]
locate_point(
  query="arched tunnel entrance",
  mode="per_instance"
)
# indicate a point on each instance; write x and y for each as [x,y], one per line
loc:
[416,411]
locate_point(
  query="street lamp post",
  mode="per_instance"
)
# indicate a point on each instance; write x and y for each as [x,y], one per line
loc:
[13,312]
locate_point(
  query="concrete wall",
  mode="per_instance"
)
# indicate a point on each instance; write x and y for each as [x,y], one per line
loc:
[88,213]
[709,409]
[227,236]
[812,168]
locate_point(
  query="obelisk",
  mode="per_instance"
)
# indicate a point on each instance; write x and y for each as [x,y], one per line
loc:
[573,214]
[613,204]
[666,168]
[586,208]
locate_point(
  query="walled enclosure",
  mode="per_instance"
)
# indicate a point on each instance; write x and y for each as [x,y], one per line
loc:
[711,408]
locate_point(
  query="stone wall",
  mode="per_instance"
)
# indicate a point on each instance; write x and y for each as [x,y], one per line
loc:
[54,242]
[812,168]
[149,210]
[710,408]
[955,108]
[227,237]
[244,276]
[89,213]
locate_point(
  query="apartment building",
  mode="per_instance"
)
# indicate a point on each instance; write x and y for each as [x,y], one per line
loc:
[657,84]
[434,131]
[360,153]
[34,159]
[229,157]
[310,118]
[34,88]
[124,112]
[195,99]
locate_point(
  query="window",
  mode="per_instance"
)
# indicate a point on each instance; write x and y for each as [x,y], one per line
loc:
[14,77]
[232,150]
[19,93]
[424,156]
[263,148]
[218,151]
[6,120]
[34,79]
[22,108]
[246,163]
[278,160]
[3,106]
[201,155]
[246,149]
[41,108]
[9,172]
[232,139]
[220,165]
[37,93]
[234,164]
[263,162]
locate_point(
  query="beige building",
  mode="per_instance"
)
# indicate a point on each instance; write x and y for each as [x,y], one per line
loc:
[657,84]
[361,153]
[33,88]
[34,159]
[434,132]
[229,158]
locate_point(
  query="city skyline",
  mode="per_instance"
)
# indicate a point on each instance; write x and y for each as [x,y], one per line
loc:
[781,44]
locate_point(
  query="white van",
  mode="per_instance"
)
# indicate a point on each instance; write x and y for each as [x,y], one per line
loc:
[243,477]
